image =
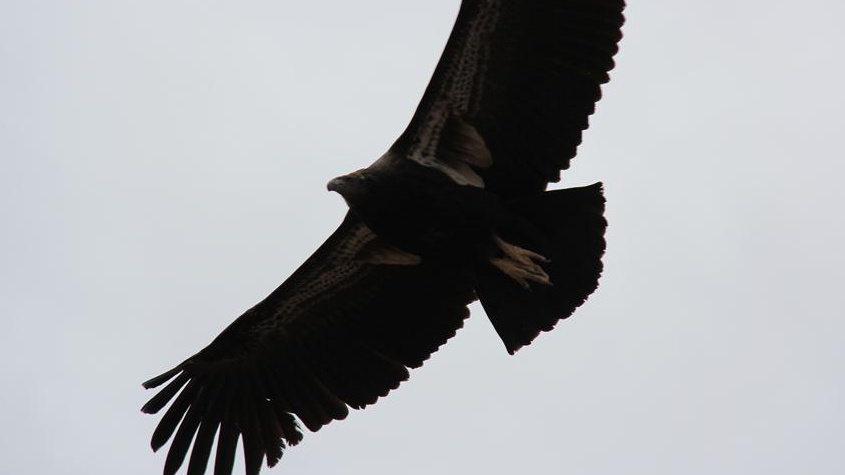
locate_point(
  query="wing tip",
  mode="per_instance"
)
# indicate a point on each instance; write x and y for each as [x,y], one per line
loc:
[162,378]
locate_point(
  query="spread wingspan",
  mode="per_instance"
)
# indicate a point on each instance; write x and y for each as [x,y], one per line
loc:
[504,111]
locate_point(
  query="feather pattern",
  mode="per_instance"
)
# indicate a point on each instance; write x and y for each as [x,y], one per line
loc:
[526,75]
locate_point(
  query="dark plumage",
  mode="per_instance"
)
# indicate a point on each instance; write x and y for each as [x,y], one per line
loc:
[455,210]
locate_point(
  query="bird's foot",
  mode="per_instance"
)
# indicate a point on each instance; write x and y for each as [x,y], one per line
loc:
[521,265]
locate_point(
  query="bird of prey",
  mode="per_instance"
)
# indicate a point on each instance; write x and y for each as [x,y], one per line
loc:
[455,210]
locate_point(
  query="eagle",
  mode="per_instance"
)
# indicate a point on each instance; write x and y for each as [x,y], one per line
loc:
[456,210]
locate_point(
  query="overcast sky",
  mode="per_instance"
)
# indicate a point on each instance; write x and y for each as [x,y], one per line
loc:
[163,167]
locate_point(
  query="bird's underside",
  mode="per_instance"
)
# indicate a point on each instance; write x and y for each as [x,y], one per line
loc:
[456,210]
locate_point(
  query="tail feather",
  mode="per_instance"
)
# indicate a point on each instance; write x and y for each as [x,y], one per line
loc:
[568,228]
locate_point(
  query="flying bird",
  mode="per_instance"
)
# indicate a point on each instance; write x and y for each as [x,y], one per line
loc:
[455,210]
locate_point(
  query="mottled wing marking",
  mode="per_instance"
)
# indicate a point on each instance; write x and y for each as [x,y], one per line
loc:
[342,270]
[458,96]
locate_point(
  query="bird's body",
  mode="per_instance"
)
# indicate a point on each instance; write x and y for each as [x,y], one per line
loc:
[423,212]
[455,211]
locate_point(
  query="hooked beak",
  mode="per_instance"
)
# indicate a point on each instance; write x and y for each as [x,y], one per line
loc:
[336,184]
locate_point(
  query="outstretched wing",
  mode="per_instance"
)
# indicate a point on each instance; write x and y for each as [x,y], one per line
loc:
[513,91]
[341,331]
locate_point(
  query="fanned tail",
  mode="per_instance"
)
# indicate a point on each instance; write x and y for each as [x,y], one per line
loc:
[568,229]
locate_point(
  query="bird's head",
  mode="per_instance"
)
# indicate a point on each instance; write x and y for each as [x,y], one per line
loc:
[352,186]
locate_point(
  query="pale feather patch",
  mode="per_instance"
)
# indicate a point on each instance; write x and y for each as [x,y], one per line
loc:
[378,252]
[462,174]
[456,148]
[461,142]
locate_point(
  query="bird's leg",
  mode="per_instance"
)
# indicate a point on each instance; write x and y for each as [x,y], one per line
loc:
[521,265]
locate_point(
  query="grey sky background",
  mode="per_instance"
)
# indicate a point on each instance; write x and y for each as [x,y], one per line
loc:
[163,167]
